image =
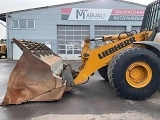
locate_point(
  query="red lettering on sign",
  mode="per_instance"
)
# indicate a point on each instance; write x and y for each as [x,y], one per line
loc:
[127,12]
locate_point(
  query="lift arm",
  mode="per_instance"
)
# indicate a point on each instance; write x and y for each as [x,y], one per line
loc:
[93,59]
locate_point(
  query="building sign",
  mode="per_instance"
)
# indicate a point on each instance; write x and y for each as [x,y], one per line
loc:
[102,14]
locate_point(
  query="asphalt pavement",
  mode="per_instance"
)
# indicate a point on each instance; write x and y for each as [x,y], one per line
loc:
[95,100]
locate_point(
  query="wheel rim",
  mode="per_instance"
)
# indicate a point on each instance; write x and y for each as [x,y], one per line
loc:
[138,74]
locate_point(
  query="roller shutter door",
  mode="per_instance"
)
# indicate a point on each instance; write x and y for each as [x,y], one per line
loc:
[70,39]
[107,30]
[137,28]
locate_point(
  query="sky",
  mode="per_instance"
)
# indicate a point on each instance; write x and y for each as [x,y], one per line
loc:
[14,5]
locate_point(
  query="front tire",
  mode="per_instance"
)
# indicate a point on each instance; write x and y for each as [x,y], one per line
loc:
[134,73]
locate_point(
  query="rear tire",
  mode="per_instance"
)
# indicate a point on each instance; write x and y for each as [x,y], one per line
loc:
[134,73]
[103,72]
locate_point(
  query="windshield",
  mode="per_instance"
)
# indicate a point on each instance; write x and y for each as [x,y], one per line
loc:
[2,41]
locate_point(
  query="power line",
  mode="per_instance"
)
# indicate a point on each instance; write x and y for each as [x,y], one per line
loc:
[2,24]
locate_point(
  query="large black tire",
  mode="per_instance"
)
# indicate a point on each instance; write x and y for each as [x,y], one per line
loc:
[0,56]
[103,72]
[119,66]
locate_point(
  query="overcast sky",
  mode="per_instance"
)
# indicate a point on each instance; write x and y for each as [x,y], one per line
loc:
[13,5]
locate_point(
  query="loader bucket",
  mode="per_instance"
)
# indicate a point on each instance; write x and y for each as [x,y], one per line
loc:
[36,76]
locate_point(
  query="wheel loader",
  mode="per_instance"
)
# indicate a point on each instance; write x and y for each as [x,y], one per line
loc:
[3,48]
[130,61]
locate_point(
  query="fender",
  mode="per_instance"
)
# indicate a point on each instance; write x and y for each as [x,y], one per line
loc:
[150,45]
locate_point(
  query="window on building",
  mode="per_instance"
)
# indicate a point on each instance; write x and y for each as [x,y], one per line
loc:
[23,24]
[31,24]
[14,23]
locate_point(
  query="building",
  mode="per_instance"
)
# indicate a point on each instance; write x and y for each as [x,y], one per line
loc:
[63,27]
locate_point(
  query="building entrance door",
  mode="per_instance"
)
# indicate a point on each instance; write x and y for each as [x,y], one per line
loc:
[69,52]
[69,49]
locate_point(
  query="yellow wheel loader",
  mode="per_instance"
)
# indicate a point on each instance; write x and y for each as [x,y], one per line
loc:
[129,60]
[3,48]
